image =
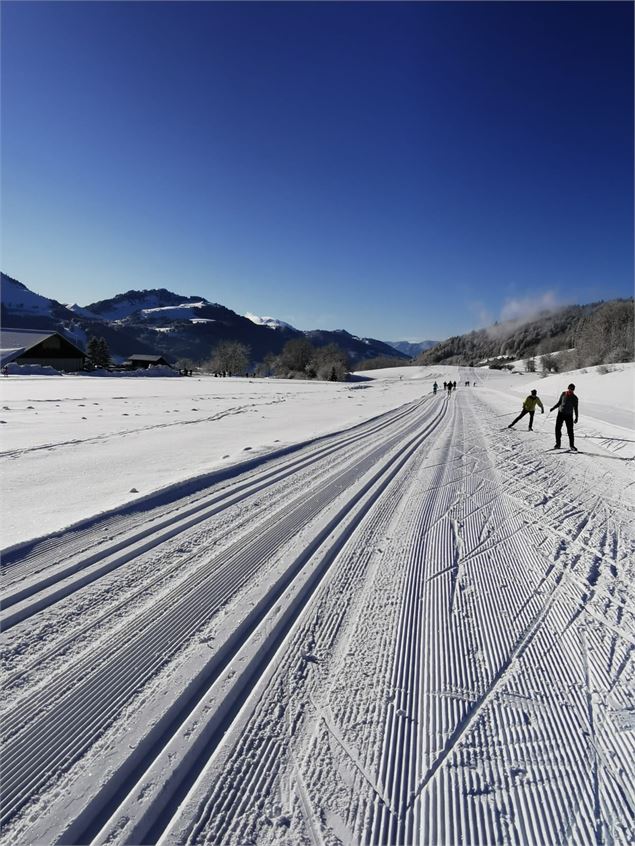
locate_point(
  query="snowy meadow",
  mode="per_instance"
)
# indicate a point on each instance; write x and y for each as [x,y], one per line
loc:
[265,611]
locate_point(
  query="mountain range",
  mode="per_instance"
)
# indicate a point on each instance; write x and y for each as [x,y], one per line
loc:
[173,325]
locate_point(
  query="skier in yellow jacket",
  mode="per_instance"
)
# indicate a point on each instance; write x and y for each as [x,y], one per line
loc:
[529,407]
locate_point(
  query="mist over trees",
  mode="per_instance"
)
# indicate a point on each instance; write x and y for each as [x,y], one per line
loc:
[598,333]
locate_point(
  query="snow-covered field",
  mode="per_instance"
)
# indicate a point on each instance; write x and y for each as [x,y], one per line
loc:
[328,613]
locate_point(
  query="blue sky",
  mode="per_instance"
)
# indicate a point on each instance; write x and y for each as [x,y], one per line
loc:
[401,170]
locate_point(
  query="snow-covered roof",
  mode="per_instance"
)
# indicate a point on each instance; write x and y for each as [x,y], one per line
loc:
[25,339]
[146,358]
[7,356]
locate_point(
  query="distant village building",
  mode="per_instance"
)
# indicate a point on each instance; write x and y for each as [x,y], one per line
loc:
[40,346]
[135,362]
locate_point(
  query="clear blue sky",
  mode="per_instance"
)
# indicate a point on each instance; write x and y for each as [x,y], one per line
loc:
[400,170]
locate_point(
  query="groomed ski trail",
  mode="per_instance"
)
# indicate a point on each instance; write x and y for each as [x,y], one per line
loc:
[411,632]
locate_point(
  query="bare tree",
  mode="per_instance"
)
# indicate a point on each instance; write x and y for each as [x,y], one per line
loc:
[230,357]
[295,356]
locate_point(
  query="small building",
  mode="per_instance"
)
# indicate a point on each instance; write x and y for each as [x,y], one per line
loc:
[135,362]
[40,346]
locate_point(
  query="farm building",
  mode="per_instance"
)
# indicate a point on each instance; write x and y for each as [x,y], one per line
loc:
[40,346]
[138,361]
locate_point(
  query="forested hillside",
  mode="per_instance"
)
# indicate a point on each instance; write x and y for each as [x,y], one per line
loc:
[596,333]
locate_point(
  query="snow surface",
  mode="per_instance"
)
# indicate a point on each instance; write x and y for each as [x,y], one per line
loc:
[418,628]
[271,322]
[184,311]
[148,303]
[15,297]
[151,434]
[83,312]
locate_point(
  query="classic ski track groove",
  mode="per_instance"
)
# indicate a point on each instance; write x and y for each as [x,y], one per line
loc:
[492,702]
[28,746]
[428,804]
[72,542]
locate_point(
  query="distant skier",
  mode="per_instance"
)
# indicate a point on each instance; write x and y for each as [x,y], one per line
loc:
[529,407]
[445,386]
[449,388]
[454,386]
[435,388]
[567,407]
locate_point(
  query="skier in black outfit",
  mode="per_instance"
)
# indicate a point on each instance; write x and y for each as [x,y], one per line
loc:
[567,407]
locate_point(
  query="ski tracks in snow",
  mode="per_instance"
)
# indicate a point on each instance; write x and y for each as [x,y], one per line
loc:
[411,632]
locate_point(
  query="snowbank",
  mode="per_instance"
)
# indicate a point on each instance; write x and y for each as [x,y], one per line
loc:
[31,370]
[40,370]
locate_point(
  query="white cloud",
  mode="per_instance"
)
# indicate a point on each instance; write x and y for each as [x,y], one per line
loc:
[524,308]
[483,315]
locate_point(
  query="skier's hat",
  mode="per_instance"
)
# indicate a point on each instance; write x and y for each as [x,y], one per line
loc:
[534,391]
[571,387]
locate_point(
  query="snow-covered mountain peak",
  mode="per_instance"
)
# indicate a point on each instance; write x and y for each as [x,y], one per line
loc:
[17,297]
[80,311]
[270,322]
[125,305]
[182,311]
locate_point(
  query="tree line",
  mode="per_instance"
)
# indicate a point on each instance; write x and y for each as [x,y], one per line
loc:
[598,333]
[298,359]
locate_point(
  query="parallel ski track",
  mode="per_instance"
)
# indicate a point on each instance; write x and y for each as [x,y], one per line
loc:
[57,565]
[88,697]
[440,816]
[506,685]
[323,630]
[42,553]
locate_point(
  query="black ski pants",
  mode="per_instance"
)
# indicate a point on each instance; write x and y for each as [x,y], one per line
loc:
[567,419]
[522,414]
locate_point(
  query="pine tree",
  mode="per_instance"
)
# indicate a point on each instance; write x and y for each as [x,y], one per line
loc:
[98,352]
[92,350]
[104,352]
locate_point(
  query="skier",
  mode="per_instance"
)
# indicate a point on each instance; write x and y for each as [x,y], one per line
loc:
[445,385]
[529,407]
[567,407]
[435,387]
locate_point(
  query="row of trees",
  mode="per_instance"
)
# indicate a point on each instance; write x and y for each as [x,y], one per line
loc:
[382,361]
[598,333]
[606,336]
[299,359]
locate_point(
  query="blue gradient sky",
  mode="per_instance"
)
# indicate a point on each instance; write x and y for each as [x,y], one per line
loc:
[400,170]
